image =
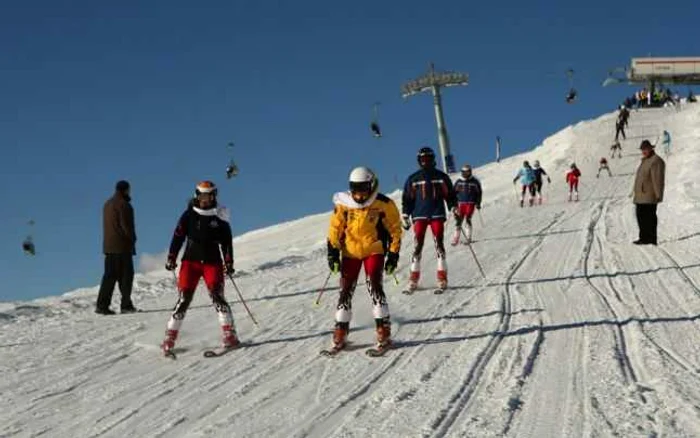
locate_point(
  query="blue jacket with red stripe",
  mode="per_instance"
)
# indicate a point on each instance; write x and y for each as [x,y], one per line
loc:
[425,194]
[468,190]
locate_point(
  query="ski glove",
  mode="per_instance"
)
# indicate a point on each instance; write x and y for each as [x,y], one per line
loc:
[392,260]
[455,213]
[171,264]
[405,221]
[228,268]
[333,259]
[478,206]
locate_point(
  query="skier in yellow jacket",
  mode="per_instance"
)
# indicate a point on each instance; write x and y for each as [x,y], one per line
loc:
[365,228]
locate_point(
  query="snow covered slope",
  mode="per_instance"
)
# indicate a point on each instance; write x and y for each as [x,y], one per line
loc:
[574,332]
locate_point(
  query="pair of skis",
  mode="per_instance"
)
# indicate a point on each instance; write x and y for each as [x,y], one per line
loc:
[213,352]
[436,291]
[376,351]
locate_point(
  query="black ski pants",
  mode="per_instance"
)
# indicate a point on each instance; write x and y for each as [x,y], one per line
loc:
[620,129]
[647,221]
[119,268]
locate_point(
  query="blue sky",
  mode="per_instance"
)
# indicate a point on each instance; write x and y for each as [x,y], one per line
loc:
[93,92]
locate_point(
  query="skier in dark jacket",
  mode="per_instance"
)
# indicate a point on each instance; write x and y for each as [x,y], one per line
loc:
[539,173]
[205,227]
[468,192]
[424,197]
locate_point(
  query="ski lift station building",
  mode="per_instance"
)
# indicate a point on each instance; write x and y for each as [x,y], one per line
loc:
[678,71]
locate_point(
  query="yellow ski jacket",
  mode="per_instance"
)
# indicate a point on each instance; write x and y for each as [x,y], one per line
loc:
[360,230]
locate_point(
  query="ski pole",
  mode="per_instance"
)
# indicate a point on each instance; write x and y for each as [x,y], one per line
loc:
[396,280]
[230,276]
[481,219]
[473,253]
[323,289]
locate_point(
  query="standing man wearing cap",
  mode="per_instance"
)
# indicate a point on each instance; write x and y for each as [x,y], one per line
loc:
[119,247]
[648,192]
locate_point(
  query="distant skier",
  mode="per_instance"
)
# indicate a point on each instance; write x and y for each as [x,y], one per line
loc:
[527,178]
[425,194]
[205,227]
[616,147]
[623,116]
[539,172]
[365,228]
[620,129]
[468,191]
[666,141]
[572,177]
[603,165]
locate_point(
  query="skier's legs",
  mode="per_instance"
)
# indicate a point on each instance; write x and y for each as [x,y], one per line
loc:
[214,279]
[438,228]
[374,266]
[467,210]
[459,219]
[419,228]
[349,271]
[190,273]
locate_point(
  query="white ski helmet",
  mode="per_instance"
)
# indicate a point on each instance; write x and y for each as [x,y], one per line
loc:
[537,164]
[363,184]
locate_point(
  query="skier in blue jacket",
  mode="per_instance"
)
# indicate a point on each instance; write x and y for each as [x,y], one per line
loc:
[527,178]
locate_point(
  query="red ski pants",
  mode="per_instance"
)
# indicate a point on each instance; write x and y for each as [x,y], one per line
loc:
[573,185]
[350,270]
[420,226]
[191,272]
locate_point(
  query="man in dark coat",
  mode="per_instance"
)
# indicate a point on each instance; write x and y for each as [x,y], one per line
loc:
[119,247]
[648,193]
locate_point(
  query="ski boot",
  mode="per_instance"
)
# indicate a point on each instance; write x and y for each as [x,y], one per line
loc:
[455,239]
[576,197]
[413,281]
[340,336]
[522,203]
[532,202]
[383,333]
[169,343]
[229,338]
[442,279]
[539,200]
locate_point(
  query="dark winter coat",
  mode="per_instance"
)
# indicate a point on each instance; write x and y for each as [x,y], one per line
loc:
[118,230]
[649,182]
[425,194]
[468,190]
[538,175]
[208,234]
